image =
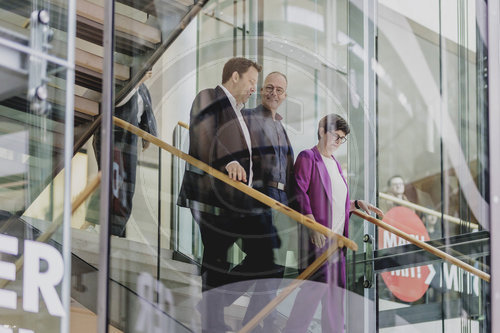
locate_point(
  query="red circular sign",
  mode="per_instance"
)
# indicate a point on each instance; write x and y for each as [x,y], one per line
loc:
[407,284]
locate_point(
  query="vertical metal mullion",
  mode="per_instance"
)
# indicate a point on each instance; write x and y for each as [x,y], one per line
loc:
[176,179]
[370,144]
[68,155]
[442,167]
[253,15]
[158,260]
[235,28]
[244,28]
[260,37]
[106,165]
[494,158]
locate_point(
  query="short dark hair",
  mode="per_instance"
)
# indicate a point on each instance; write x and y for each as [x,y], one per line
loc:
[279,73]
[333,122]
[394,177]
[240,65]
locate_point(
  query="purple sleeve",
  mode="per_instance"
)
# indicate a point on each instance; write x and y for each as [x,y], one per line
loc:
[302,172]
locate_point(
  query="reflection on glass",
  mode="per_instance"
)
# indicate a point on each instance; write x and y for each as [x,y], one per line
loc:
[429,101]
[189,252]
[33,71]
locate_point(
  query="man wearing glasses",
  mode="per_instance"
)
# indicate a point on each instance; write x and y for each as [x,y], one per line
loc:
[271,148]
[272,156]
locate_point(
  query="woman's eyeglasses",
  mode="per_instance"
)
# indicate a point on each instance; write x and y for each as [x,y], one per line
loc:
[338,138]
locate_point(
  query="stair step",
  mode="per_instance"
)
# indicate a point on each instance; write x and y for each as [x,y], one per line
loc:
[123,23]
[92,239]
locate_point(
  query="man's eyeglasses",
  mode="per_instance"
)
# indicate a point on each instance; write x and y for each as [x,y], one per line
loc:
[270,88]
[338,138]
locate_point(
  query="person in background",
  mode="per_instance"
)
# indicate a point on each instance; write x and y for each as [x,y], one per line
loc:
[321,193]
[137,109]
[396,188]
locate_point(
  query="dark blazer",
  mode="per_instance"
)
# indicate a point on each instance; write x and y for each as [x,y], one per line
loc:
[216,138]
[124,159]
[262,145]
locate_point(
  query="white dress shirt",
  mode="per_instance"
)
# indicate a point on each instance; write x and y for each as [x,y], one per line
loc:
[246,133]
[339,195]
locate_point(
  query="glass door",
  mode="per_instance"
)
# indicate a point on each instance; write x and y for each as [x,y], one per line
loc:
[421,156]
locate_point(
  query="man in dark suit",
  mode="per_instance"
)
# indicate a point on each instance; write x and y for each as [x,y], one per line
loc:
[219,137]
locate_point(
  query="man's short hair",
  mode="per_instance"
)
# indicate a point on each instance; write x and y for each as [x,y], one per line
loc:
[332,123]
[279,73]
[389,181]
[240,65]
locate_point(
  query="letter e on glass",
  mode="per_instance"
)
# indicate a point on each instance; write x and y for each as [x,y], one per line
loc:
[8,298]
[46,281]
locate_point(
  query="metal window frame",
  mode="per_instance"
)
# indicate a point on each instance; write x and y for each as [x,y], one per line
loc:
[494,155]
[106,149]
[68,156]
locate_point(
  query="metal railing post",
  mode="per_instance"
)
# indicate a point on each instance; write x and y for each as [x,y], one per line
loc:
[107,107]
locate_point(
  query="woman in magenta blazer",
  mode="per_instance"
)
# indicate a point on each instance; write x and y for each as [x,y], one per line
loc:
[321,193]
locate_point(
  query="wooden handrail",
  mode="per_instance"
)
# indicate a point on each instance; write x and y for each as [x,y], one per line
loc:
[274,204]
[425,209]
[45,236]
[310,270]
[423,245]
[183,124]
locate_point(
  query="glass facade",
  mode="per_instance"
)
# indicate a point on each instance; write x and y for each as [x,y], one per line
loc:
[36,105]
[190,250]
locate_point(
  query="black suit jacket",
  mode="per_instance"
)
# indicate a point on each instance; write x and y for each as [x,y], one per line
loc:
[124,159]
[216,138]
[262,145]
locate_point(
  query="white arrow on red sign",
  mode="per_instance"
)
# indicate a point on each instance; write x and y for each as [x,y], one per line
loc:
[432,273]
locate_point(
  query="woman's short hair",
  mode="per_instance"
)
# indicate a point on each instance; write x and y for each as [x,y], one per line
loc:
[240,65]
[333,122]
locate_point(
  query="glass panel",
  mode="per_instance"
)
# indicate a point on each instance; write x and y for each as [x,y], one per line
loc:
[20,20]
[432,295]
[450,132]
[431,98]
[33,97]
[409,86]
[145,271]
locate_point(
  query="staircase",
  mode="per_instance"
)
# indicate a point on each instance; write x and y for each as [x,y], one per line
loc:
[129,258]
[143,31]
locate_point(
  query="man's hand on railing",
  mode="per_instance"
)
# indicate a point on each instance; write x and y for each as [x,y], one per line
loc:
[236,172]
[367,207]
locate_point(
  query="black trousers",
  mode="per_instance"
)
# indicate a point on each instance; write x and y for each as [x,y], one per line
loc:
[266,285]
[218,234]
